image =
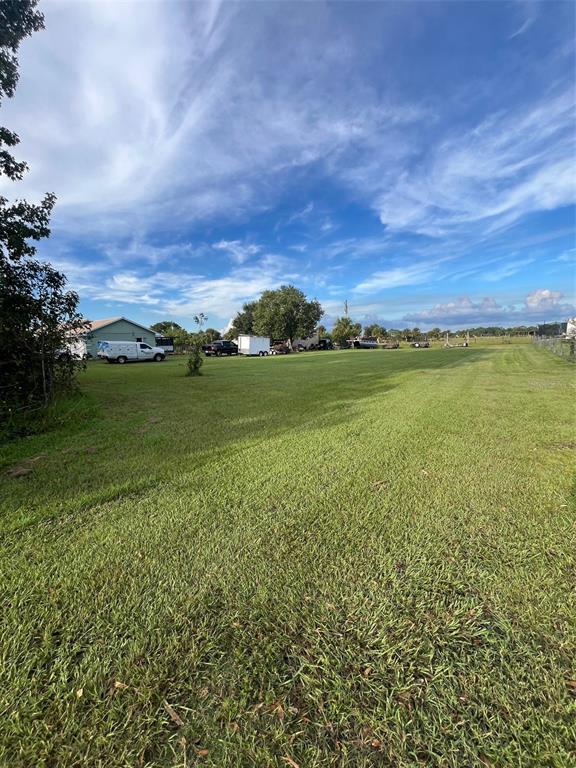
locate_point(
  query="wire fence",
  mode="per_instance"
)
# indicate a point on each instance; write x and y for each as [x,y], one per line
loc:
[565,348]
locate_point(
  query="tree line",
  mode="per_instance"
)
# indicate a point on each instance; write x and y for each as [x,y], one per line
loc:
[284,314]
[259,318]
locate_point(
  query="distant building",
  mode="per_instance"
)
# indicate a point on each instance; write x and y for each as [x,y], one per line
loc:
[116,329]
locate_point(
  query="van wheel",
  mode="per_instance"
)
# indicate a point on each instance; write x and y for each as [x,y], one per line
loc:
[158,358]
[121,359]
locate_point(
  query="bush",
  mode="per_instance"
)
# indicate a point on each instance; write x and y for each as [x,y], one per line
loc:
[195,360]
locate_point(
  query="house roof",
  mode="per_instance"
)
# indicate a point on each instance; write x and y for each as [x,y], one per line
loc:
[96,324]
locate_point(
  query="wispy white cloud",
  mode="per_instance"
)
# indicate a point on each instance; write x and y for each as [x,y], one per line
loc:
[238,251]
[529,10]
[223,296]
[177,117]
[302,214]
[509,165]
[568,256]
[414,274]
[508,269]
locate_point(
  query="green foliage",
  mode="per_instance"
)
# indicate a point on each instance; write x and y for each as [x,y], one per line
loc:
[375,330]
[243,322]
[38,315]
[211,334]
[195,360]
[378,575]
[166,328]
[18,20]
[344,329]
[286,314]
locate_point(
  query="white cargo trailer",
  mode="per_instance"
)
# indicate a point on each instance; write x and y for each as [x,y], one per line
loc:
[254,345]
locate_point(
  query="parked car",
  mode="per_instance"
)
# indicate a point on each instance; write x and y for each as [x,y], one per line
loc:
[254,345]
[220,347]
[325,344]
[124,351]
[281,348]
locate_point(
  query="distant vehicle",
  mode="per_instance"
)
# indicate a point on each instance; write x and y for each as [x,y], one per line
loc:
[125,351]
[254,345]
[74,350]
[166,343]
[325,344]
[281,348]
[365,342]
[391,344]
[420,344]
[219,348]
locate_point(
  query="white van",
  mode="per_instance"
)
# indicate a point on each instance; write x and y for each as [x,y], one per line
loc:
[124,351]
[253,345]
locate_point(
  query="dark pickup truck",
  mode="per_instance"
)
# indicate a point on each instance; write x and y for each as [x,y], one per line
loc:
[220,347]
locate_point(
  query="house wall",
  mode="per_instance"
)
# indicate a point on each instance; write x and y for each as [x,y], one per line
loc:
[121,330]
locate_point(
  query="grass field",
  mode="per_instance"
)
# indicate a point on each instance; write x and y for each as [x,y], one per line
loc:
[356,558]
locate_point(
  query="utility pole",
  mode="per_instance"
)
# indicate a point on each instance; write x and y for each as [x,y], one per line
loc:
[346,307]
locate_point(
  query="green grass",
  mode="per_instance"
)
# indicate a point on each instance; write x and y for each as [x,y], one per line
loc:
[357,558]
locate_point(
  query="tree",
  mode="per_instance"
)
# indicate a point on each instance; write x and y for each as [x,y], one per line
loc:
[286,314]
[210,335]
[166,328]
[195,360]
[38,315]
[195,341]
[244,321]
[344,329]
[375,330]
[323,332]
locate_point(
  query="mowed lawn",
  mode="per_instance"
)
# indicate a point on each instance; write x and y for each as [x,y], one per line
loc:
[355,558]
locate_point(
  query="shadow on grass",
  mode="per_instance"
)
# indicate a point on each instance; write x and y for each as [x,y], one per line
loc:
[155,424]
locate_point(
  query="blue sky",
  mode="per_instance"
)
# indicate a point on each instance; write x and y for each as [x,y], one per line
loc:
[414,159]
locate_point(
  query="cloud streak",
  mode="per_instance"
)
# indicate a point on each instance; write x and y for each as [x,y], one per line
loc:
[509,165]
